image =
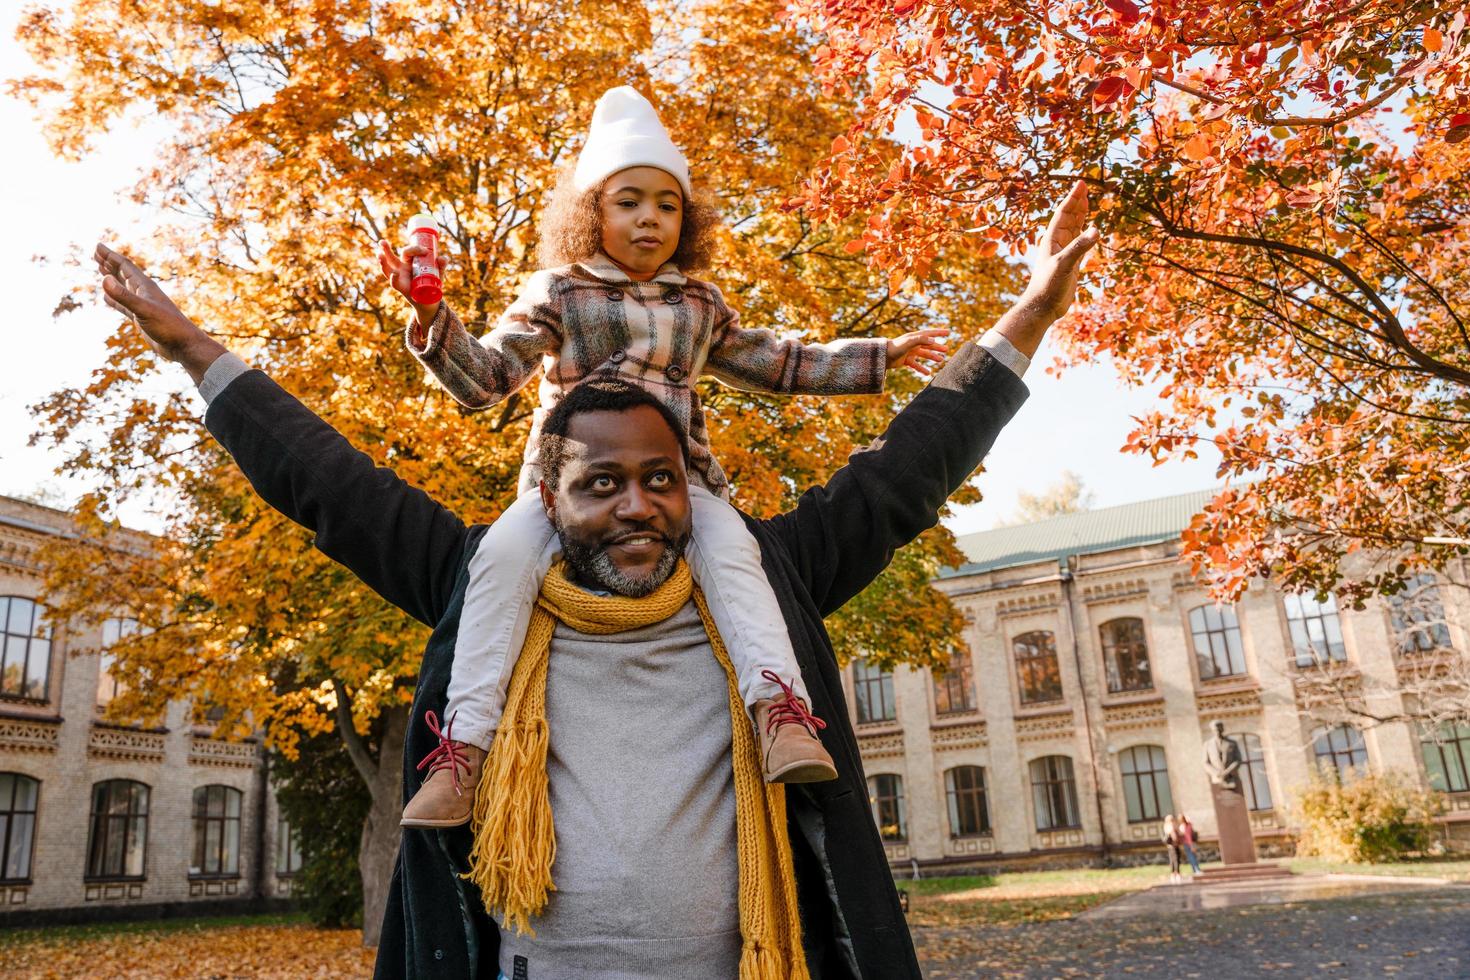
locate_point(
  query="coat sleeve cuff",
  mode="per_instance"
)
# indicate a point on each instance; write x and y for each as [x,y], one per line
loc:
[226,368]
[425,342]
[1004,351]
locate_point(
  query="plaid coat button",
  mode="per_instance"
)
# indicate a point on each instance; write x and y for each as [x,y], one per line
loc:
[673,297]
[614,292]
[617,356]
[674,373]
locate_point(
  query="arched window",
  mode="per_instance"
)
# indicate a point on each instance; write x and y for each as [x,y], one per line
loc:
[1037,674]
[1125,655]
[1316,634]
[1447,757]
[1054,793]
[1217,648]
[872,689]
[969,812]
[114,630]
[1341,752]
[954,688]
[216,831]
[118,838]
[1417,615]
[18,796]
[1252,772]
[1145,783]
[25,660]
[885,792]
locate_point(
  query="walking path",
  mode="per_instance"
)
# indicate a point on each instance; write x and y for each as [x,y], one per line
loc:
[1363,931]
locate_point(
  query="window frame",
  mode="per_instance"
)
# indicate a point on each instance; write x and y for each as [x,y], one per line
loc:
[947,681]
[1434,633]
[37,620]
[1229,626]
[1335,754]
[865,677]
[1023,665]
[135,826]
[976,795]
[9,815]
[1136,647]
[288,845]
[1300,618]
[1157,762]
[878,800]
[1253,765]
[106,658]
[1458,742]
[1051,783]
[228,825]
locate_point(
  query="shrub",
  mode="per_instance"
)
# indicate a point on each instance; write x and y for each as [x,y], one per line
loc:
[1365,820]
[321,794]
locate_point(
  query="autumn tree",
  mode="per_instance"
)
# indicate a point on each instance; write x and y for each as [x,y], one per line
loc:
[1282,189]
[306,131]
[1067,495]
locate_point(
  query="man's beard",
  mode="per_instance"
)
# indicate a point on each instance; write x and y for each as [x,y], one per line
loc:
[593,566]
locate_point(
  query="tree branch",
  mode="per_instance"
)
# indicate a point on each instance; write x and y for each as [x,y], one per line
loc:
[357,750]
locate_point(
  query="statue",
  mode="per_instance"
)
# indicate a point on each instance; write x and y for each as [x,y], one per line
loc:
[1223,758]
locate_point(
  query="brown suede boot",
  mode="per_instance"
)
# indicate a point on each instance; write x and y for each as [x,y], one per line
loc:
[447,797]
[790,750]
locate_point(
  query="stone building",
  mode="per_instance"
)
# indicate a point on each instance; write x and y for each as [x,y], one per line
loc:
[1095,668]
[99,820]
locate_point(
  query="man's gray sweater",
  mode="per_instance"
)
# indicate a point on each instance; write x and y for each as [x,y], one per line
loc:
[641,791]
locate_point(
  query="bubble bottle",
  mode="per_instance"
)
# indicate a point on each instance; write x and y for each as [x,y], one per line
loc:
[425,289]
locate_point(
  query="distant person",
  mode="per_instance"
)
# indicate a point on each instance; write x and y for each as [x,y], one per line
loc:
[1186,841]
[1171,844]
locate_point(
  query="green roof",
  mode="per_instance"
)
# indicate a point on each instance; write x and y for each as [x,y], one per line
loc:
[1104,529]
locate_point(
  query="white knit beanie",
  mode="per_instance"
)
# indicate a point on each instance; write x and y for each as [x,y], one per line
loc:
[626,133]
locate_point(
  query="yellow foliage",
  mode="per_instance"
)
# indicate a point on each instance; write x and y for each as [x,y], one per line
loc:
[309,131]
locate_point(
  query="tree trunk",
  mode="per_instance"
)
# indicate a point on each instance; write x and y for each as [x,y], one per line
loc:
[380,832]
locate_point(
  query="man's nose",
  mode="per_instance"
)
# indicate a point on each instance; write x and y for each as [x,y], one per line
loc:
[636,505]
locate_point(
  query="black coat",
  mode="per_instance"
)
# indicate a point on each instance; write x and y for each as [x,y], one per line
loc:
[837,539]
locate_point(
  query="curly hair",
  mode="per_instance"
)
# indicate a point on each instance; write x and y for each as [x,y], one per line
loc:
[571,227]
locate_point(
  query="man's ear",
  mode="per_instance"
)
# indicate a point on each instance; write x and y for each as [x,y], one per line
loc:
[548,501]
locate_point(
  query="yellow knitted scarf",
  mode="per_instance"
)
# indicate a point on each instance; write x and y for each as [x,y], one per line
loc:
[515,839]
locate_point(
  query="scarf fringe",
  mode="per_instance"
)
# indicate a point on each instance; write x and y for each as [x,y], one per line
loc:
[515,833]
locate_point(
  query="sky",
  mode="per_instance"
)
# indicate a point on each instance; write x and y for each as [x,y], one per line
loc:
[1075,422]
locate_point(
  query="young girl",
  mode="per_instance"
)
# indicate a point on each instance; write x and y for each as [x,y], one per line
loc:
[616,303]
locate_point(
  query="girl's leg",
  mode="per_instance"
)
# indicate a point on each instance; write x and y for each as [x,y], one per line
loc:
[726,562]
[505,572]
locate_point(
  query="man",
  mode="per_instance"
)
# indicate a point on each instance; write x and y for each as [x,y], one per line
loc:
[646,885]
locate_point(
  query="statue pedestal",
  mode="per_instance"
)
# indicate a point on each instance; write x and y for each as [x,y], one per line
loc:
[1233,822]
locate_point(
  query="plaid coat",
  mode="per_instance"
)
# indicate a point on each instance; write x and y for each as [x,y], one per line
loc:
[590,320]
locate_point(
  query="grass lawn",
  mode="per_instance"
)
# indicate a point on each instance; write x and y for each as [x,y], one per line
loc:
[266,947]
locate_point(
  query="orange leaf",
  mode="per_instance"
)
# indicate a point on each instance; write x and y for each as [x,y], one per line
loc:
[1196,149]
[1433,40]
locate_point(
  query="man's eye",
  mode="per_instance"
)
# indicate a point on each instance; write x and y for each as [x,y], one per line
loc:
[602,483]
[662,478]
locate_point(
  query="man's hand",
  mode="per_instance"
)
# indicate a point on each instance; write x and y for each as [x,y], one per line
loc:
[1053,286]
[133,293]
[398,270]
[914,349]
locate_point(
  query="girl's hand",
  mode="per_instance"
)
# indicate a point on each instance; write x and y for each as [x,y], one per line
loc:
[398,270]
[916,349]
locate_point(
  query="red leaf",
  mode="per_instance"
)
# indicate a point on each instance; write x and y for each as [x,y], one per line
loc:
[903,7]
[1459,119]
[1108,89]
[1125,10]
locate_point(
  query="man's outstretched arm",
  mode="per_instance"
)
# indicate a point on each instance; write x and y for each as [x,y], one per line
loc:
[843,535]
[398,540]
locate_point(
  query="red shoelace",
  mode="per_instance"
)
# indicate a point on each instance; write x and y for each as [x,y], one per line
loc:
[792,711]
[446,755]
